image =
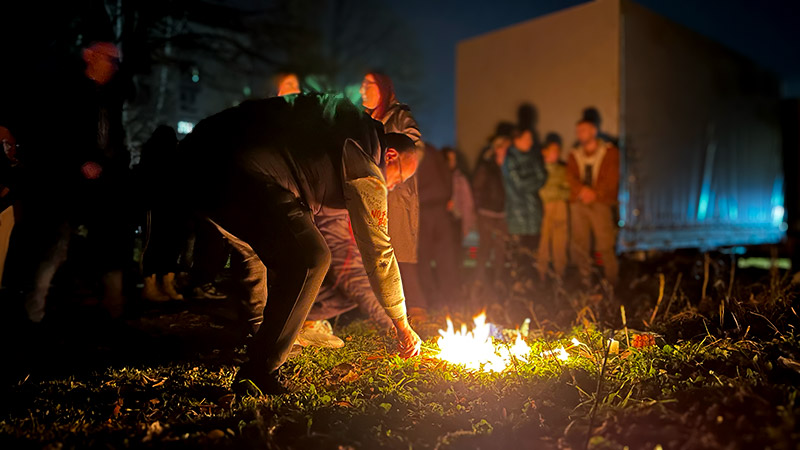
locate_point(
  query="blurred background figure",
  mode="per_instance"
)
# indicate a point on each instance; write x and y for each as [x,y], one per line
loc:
[9,179]
[593,175]
[379,100]
[77,186]
[438,242]
[554,194]
[463,203]
[524,175]
[287,83]
[490,198]
[163,228]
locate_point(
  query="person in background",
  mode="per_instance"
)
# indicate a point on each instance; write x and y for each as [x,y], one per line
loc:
[9,178]
[287,83]
[78,183]
[593,176]
[163,229]
[523,176]
[463,203]
[380,102]
[555,195]
[437,243]
[490,197]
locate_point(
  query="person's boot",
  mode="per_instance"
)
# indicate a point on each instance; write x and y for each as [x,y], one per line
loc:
[207,292]
[168,285]
[152,292]
[256,383]
[318,333]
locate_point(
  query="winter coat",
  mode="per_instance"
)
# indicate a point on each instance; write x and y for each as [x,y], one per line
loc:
[434,181]
[523,175]
[488,187]
[605,177]
[404,199]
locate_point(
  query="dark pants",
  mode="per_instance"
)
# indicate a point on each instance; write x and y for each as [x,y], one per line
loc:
[270,227]
[437,245]
[166,234]
[210,254]
[37,250]
[493,232]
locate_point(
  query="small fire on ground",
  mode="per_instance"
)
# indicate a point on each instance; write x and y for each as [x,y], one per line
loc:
[477,349]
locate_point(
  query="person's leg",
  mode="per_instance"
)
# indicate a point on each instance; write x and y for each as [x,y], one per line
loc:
[580,227]
[253,281]
[558,233]
[543,256]
[282,233]
[605,233]
[346,285]
[210,254]
[500,246]
[6,225]
[428,250]
[354,284]
[447,271]
[35,299]
[485,245]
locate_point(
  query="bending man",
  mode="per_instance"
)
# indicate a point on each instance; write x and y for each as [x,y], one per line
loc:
[260,172]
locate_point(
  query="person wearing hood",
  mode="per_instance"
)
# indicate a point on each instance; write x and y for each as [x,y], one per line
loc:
[286,160]
[381,103]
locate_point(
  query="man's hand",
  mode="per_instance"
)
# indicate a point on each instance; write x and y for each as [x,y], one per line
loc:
[409,343]
[587,195]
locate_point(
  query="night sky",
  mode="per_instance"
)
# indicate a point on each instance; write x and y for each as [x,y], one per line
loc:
[765,31]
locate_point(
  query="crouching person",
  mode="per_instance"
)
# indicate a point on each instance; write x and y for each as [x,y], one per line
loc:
[284,161]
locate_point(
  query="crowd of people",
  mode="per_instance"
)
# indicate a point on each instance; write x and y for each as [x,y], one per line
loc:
[293,183]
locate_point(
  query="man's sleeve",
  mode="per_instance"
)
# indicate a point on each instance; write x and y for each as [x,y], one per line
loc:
[410,128]
[365,198]
[573,178]
[608,187]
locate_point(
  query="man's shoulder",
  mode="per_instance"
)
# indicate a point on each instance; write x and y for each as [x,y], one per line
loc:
[611,149]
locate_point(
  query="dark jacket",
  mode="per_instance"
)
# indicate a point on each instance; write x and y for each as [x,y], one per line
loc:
[435,182]
[320,148]
[404,199]
[487,185]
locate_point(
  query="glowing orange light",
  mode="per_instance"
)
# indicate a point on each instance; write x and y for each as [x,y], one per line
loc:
[476,349]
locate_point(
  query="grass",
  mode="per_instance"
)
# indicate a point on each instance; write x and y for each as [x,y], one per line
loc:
[710,381]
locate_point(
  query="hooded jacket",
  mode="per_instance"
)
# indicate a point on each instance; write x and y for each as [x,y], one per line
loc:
[404,199]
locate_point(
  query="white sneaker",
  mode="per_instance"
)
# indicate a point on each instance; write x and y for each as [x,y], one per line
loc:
[318,333]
